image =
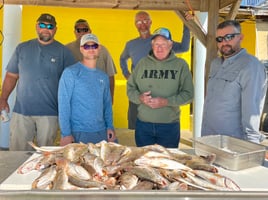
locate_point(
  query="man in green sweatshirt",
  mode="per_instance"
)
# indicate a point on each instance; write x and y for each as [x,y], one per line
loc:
[159,84]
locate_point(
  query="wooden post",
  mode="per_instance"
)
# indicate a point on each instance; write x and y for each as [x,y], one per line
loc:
[213,17]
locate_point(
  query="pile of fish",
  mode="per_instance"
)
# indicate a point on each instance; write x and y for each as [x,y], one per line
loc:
[111,166]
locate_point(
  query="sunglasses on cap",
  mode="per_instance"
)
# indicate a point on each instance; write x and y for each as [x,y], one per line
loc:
[227,37]
[48,26]
[80,30]
[92,46]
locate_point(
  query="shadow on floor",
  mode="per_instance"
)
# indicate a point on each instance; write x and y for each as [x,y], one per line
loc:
[127,137]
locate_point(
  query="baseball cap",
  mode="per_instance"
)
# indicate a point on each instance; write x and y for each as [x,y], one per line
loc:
[164,32]
[89,38]
[81,21]
[45,17]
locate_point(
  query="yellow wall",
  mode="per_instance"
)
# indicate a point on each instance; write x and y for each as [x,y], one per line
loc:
[114,28]
[1,40]
[249,32]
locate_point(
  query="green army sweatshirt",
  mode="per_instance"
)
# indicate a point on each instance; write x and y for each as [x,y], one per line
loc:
[169,78]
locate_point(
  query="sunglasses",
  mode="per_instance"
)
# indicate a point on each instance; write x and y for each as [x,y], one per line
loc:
[227,37]
[92,46]
[139,22]
[80,30]
[48,26]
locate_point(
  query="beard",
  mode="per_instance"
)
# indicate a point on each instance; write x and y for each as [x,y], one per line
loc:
[145,32]
[227,50]
[45,38]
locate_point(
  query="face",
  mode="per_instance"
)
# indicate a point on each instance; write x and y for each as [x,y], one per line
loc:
[230,40]
[80,30]
[161,47]
[45,31]
[143,24]
[90,51]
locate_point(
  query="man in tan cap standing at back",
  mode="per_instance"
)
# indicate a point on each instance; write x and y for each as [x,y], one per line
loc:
[35,68]
[104,60]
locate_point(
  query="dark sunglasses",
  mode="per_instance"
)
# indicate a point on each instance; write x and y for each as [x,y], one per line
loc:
[79,30]
[88,46]
[48,26]
[227,37]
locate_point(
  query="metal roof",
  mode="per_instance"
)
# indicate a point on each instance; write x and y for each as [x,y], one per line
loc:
[252,2]
[258,7]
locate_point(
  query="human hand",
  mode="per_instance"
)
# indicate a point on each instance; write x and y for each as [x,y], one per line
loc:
[188,16]
[145,97]
[157,102]
[66,140]
[111,137]
[4,105]
[127,76]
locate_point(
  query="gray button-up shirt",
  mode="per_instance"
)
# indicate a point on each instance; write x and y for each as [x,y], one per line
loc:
[235,97]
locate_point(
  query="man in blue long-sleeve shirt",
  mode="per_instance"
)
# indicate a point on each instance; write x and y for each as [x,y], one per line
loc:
[85,104]
[139,47]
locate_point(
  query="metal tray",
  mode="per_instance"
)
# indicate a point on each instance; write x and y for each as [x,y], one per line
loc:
[231,153]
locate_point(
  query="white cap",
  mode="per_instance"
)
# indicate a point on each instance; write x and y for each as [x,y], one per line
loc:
[88,38]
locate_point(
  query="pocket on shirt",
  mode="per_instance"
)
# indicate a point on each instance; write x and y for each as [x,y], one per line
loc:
[230,76]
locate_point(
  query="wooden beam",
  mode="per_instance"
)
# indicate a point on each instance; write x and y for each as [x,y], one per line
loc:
[186,5]
[204,5]
[213,17]
[234,9]
[121,4]
[194,27]
[224,3]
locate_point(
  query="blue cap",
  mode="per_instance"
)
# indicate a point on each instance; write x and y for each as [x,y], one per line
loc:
[162,32]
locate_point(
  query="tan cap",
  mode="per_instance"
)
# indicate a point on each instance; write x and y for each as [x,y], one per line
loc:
[81,21]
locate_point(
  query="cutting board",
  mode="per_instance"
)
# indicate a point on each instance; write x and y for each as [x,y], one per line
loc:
[20,181]
[251,179]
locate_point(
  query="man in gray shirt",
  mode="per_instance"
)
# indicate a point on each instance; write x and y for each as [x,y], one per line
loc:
[35,68]
[236,88]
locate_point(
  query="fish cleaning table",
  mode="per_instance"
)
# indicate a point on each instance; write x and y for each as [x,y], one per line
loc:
[253,182]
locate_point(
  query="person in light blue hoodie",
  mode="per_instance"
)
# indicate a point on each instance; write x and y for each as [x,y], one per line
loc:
[85,103]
